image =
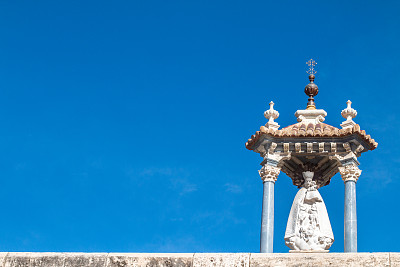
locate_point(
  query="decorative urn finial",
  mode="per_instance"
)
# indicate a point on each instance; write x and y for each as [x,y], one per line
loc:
[349,114]
[271,114]
[311,89]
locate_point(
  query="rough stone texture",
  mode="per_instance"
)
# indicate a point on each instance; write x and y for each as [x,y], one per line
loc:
[17,259]
[85,259]
[221,259]
[24,259]
[2,258]
[394,259]
[144,259]
[320,259]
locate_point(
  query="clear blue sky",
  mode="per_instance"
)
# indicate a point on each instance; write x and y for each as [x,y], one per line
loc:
[123,123]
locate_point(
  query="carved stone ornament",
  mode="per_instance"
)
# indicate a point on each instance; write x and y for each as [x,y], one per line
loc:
[358,150]
[285,147]
[314,116]
[308,227]
[297,147]
[271,114]
[333,147]
[269,173]
[347,147]
[349,114]
[350,173]
[272,147]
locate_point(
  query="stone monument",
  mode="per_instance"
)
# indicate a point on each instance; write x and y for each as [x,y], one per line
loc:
[310,152]
[308,227]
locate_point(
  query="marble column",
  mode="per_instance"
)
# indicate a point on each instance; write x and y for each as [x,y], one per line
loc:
[350,174]
[268,174]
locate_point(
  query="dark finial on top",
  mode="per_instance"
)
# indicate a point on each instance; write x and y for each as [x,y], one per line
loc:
[311,89]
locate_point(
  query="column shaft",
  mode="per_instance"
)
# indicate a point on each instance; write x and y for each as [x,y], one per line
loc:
[267,218]
[350,217]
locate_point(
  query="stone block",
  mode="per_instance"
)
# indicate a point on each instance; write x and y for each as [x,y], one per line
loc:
[28,259]
[2,258]
[16,259]
[85,259]
[221,259]
[150,260]
[394,258]
[320,259]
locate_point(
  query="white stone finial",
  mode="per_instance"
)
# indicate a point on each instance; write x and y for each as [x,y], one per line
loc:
[349,114]
[271,114]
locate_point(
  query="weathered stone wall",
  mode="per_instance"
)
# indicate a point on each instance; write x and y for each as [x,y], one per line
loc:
[13,259]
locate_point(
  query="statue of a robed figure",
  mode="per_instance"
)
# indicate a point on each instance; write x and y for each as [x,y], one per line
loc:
[308,227]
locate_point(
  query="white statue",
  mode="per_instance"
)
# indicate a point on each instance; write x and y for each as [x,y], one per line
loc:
[308,227]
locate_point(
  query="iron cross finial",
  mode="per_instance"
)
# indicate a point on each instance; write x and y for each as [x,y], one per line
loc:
[311,63]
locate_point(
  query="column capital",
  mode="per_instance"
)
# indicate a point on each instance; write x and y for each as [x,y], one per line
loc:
[350,172]
[269,173]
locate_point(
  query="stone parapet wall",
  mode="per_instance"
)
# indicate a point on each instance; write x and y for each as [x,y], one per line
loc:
[22,259]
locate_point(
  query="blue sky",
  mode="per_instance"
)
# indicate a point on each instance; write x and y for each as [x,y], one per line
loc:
[123,123]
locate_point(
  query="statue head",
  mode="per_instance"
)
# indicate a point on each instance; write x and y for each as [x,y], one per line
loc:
[308,179]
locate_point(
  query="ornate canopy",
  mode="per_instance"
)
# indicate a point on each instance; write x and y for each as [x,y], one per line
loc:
[310,144]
